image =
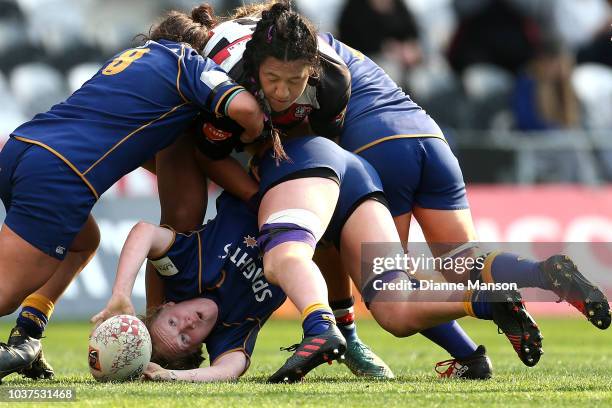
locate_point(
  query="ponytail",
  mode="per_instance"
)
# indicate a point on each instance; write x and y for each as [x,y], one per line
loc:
[191,29]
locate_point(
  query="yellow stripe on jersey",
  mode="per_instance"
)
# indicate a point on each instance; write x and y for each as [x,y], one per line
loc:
[178,74]
[163,253]
[384,139]
[199,264]
[132,134]
[219,282]
[65,160]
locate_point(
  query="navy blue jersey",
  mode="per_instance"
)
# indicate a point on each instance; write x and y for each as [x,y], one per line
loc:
[221,261]
[137,104]
[378,108]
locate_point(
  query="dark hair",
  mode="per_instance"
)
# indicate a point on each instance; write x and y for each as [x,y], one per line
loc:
[187,362]
[180,27]
[283,34]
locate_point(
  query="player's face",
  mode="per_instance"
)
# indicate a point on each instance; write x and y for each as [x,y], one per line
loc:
[180,328]
[283,82]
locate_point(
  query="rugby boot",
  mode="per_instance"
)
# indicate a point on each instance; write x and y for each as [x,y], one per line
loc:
[310,353]
[40,370]
[513,320]
[20,352]
[476,366]
[363,362]
[570,285]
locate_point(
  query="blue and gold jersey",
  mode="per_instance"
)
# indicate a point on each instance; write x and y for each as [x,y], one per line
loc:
[378,109]
[138,103]
[221,261]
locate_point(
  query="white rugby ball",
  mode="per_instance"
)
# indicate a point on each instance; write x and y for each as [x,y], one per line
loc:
[119,349]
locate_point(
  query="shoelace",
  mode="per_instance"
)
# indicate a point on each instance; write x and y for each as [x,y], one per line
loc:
[449,371]
[362,346]
[291,348]
[366,350]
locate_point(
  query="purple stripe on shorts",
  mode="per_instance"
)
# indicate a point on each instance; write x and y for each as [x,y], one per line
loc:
[272,235]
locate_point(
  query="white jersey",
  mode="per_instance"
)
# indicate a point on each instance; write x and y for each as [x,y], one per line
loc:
[228,41]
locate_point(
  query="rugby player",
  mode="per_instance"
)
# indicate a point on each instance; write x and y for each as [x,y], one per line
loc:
[54,168]
[219,271]
[397,137]
[421,176]
[309,93]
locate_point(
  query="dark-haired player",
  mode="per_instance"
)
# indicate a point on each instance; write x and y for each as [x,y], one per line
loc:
[54,168]
[304,87]
[419,172]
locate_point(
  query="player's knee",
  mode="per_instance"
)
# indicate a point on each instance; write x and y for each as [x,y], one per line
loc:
[94,240]
[400,328]
[298,226]
[9,302]
[269,265]
[291,225]
[184,217]
[283,260]
[88,239]
[459,263]
[395,318]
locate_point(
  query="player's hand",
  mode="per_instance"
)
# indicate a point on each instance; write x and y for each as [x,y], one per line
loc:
[117,305]
[155,372]
[218,137]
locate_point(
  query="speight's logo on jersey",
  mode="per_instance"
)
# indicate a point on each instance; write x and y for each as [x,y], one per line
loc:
[301,111]
[250,268]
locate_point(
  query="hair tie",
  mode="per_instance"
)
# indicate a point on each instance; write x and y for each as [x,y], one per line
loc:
[269,39]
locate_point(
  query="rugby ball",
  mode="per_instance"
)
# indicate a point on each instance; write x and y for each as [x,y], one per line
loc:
[119,349]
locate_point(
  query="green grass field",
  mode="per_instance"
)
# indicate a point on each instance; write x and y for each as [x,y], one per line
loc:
[575,371]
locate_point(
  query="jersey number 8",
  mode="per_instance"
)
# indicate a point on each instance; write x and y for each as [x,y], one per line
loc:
[124,60]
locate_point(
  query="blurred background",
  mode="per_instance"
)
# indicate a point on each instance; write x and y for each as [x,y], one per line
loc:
[521,88]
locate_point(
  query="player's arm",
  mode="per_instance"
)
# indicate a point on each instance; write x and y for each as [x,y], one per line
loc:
[229,174]
[246,112]
[207,85]
[144,240]
[228,367]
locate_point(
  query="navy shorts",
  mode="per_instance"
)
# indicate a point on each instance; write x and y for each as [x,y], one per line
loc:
[422,171]
[415,166]
[46,202]
[357,178]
